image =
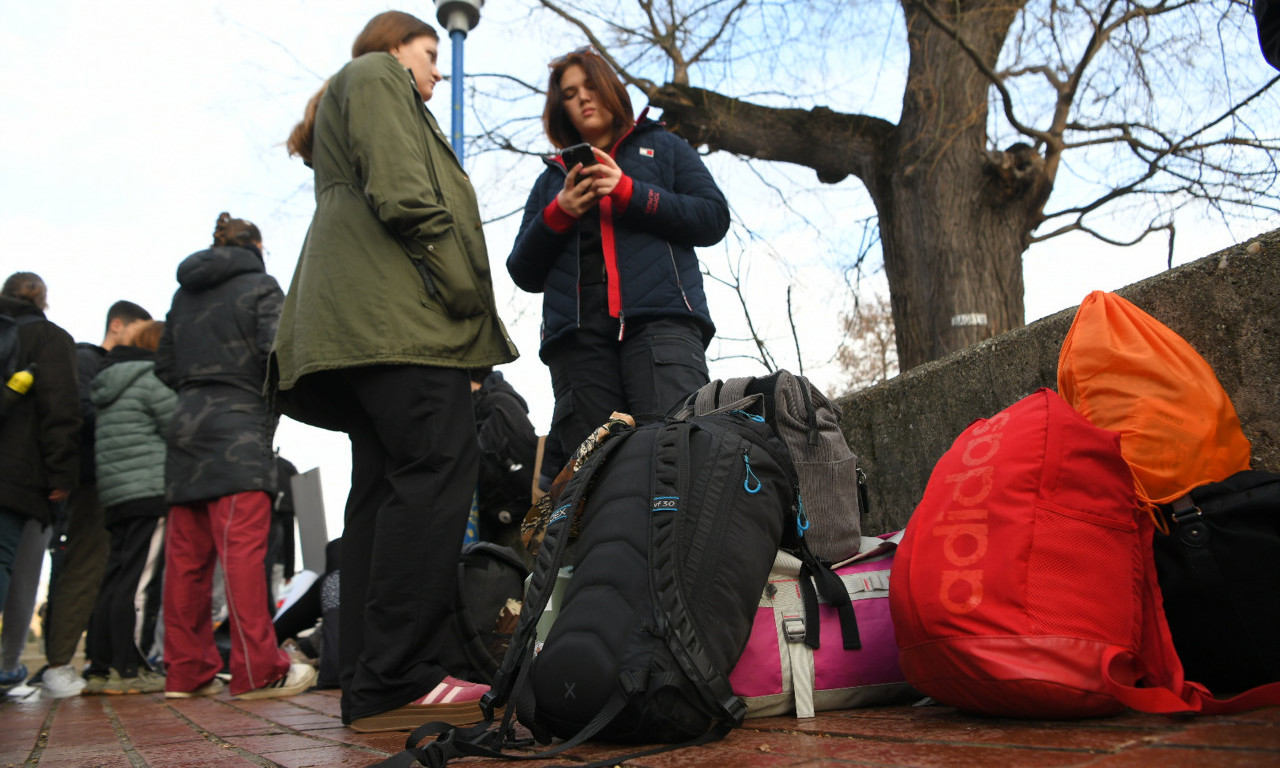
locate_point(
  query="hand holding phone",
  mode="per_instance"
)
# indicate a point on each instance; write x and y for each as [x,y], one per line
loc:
[578,153]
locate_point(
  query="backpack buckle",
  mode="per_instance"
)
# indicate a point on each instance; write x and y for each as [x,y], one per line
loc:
[793,628]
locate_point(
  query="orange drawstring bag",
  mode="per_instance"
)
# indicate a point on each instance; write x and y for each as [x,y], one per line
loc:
[1125,371]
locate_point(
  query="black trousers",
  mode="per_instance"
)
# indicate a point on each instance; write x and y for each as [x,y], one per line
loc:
[653,367]
[119,633]
[414,463]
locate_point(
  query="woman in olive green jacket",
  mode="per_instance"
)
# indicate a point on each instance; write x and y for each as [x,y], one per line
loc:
[390,304]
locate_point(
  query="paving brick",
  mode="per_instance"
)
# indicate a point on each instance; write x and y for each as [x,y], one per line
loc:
[324,757]
[202,754]
[1246,735]
[84,757]
[1175,757]
[276,742]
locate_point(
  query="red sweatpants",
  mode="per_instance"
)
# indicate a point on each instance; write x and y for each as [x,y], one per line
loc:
[234,530]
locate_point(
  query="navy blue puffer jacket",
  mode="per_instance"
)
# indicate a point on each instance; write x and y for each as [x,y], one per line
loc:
[675,205]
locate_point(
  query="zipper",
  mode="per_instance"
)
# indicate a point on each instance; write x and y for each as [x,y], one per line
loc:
[679,284]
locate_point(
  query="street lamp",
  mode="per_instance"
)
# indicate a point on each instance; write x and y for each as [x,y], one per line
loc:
[459,17]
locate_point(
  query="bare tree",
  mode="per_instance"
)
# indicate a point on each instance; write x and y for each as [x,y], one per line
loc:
[868,354]
[1020,120]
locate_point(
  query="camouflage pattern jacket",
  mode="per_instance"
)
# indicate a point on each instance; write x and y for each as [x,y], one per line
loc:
[213,353]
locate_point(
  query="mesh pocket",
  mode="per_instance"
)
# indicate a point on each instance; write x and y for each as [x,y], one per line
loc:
[1082,576]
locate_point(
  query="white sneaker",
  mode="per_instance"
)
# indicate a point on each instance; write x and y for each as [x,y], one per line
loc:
[62,682]
[299,678]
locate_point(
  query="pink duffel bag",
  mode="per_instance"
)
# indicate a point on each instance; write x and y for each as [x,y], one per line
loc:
[779,673]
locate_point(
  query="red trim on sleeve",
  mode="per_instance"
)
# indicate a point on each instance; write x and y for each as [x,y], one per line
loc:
[621,193]
[557,218]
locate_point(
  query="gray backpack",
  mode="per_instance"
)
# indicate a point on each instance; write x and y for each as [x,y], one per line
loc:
[832,495]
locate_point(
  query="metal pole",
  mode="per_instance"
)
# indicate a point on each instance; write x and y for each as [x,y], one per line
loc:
[458,36]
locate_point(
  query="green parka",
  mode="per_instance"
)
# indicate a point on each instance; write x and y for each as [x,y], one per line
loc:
[394,269]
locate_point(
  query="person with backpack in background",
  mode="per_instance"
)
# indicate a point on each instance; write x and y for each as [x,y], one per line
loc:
[608,238]
[390,304]
[79,553]
[220,469]
[134,409]
[508,450]
[40,427]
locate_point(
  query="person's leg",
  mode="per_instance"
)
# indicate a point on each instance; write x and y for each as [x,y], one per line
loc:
[102,620]
[24,583]
[191,658]
[11,525]
[134,535]
[73,594]
[663,362]
[369,491]
[240,524]
[422,417]
[586,377]
[149,592]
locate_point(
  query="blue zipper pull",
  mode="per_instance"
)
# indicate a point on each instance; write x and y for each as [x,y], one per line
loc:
[802,520]
[751,476]
[751,416]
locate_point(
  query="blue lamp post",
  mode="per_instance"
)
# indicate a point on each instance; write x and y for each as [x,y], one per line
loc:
[459,17]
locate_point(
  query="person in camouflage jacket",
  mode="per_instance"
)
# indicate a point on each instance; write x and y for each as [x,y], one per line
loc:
[220,468]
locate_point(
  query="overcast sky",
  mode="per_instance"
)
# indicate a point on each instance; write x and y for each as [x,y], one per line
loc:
[126,127]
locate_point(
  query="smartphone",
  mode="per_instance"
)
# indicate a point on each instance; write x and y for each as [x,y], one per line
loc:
[578,153]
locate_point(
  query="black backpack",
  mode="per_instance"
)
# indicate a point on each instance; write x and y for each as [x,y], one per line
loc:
[1219,572]
[830,489]
[508,447]
[10,359]
[490,576]
[11,343]
[680,522]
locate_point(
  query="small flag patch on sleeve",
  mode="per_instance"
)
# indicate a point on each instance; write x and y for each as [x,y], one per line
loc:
[646,152]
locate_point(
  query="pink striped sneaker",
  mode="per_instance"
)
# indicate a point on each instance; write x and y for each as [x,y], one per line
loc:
[453,701]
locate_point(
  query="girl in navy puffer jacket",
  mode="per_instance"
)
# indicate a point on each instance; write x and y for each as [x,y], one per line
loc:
[625,323]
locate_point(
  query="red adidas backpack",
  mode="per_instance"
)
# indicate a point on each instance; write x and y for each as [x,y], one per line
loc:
[1025,584]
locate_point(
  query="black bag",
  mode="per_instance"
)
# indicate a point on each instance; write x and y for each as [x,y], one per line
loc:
[489,577]
[508,450]
[678,535]
[1219,570]
[680,523]
[831,493]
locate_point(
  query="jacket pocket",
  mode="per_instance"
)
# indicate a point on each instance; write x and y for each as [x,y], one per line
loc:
[447,276]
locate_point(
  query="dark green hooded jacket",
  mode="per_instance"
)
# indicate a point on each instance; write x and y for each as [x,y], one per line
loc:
[394,270]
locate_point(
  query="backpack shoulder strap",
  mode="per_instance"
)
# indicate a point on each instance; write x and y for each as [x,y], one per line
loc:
[551,558]
[670,477]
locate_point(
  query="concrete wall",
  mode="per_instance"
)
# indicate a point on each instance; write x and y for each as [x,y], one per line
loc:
[1227,306]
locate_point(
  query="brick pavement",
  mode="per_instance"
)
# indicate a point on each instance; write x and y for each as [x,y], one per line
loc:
[304,731]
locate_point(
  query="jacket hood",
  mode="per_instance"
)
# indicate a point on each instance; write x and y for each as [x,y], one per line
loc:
[208,269]
[18,307]
[122,367]
[495,382]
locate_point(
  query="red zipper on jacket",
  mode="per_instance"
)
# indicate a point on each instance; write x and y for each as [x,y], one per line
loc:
[608,243]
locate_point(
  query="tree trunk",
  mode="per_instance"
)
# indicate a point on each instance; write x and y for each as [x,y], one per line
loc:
[955,218]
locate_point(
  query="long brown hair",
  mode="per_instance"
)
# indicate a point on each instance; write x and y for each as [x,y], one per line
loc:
[384,32]
[609,90]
